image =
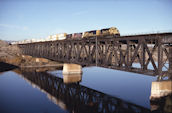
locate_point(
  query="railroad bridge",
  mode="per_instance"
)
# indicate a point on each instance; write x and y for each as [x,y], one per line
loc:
[149,54]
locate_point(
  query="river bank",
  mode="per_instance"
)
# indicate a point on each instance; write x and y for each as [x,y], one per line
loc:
[11,54]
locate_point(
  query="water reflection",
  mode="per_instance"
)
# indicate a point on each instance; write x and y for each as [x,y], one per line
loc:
[162,105]
[70,95]
[72,78]
[6,67]
[76,98]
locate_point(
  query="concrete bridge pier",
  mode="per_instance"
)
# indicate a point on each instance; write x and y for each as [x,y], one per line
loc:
[160,89]
[72,73]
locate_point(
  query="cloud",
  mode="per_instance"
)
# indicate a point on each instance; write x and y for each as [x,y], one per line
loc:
[13,27]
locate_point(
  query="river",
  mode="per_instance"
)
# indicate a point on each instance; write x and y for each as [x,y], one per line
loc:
[96,90]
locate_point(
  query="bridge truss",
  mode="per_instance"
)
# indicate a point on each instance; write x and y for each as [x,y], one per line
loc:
[147,54]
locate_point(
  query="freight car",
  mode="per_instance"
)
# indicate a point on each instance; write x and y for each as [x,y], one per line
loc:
[74,36]
[60,36]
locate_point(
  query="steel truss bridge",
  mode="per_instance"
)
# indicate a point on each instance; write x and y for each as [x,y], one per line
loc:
[149,54]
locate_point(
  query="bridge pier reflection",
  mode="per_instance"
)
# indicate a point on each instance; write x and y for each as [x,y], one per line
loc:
[72,73]
[72,78]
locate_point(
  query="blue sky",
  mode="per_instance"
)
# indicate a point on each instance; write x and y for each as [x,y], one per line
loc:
[37,19]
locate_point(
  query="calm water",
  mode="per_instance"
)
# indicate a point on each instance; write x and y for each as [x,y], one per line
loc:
[97,90]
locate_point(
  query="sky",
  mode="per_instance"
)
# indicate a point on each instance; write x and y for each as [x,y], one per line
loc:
[27,19]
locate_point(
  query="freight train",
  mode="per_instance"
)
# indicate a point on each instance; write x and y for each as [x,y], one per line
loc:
[64,36]
[103,32]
